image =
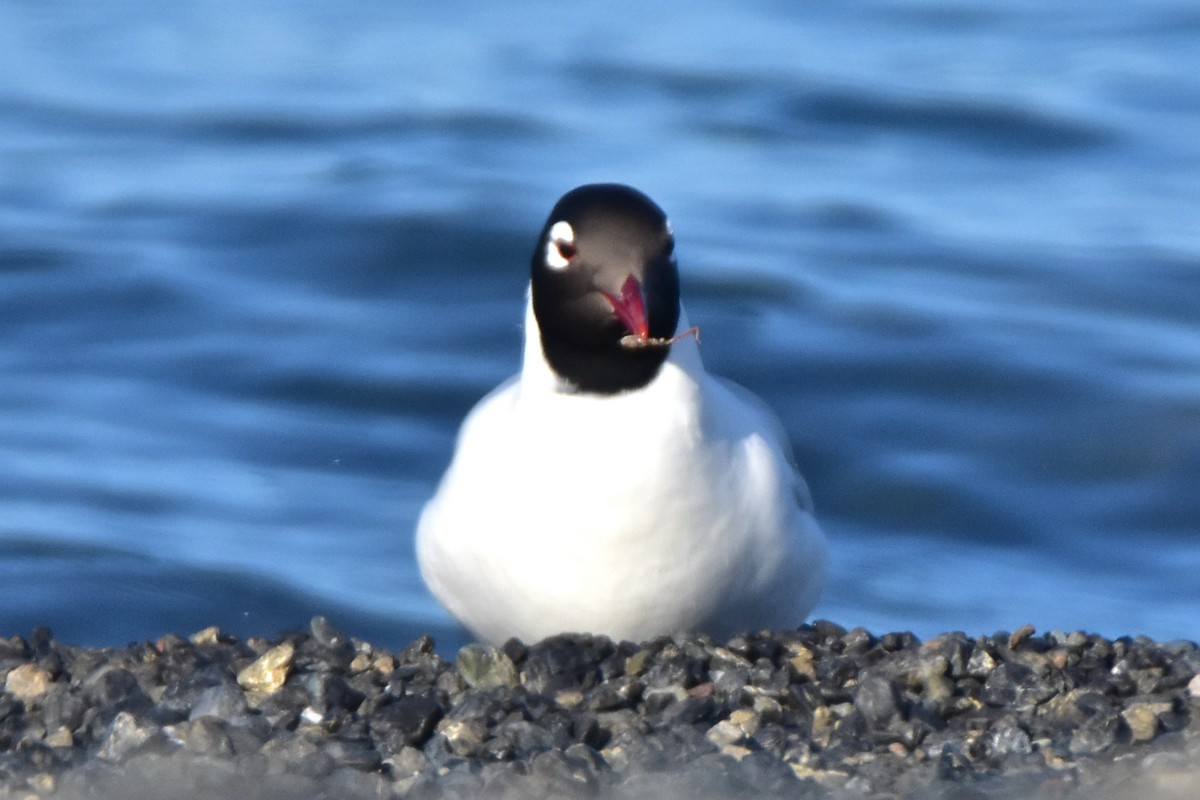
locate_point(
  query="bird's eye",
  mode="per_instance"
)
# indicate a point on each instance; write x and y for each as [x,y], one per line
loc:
[566,250]
[560,245]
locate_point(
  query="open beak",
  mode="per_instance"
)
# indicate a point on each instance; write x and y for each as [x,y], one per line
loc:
[630,308]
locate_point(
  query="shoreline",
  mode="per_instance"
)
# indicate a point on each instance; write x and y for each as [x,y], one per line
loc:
[816,712]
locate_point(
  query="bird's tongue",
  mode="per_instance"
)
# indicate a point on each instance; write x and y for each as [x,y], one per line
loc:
[630,308]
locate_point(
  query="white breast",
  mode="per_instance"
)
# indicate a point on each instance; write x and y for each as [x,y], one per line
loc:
[669,508]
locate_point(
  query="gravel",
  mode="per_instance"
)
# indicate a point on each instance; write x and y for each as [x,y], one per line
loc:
[813,713]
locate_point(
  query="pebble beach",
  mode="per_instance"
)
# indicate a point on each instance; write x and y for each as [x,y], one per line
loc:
[818,712]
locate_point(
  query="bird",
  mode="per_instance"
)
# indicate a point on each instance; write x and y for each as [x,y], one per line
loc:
[613,486]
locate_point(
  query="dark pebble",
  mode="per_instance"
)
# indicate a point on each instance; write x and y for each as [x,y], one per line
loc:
[875,699]
[410,718]
[812,713]
[223,701]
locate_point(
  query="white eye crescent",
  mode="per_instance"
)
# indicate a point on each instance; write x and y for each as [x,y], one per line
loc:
[560,245]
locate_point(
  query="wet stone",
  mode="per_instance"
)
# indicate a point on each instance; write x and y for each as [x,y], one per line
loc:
[13,650]
[418,650]
[621,692]
[981,662]
[635,663]
[449,684]
[1006,737]
[1097,734]
[1076,707]
[459,783]
[299,754]
[768,709]
[126,735]
[1144,719]
[27,682]
[408,762]
[325,634]
[464,737]
[411,717]
[357,755]
[438,753]
[353,784]
[726,733]
[835,673]
[802,660]
[60,737]
[208,636]
[269,671]
[329,692]
[62,707]
[564,663]
[675,669]
[875,699]
[657,698]
[816,712]
[248,733]
[485,667]
[1014,684]
[204,736]
[689,711]
[554,773]
[223,701]
[115,688]
[183,686]
[924,671]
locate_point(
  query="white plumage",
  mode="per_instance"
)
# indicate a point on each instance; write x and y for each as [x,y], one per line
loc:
[670,507]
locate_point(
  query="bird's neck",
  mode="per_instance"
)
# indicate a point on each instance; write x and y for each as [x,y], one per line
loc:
[538,375]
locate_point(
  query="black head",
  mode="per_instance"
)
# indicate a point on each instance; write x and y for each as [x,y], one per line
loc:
[604,269]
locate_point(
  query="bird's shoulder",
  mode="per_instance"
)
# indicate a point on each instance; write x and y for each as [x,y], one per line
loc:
[758,425]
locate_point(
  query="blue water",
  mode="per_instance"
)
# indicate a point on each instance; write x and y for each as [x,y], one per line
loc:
[257,260]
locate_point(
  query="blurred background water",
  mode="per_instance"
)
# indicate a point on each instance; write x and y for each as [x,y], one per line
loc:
[258,259]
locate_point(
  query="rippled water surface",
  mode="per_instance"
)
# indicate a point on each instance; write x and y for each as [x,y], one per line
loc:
[257,261]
